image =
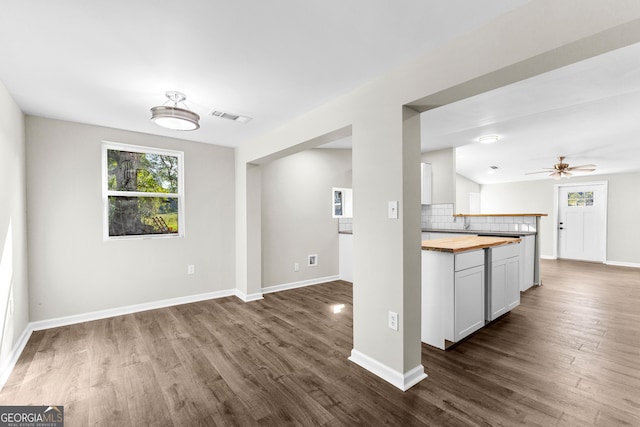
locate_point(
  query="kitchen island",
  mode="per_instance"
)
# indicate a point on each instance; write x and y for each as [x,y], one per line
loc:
[464,285]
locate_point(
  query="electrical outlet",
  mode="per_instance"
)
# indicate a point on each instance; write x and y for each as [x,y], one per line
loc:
[191,269]
[393,320]
[296,266]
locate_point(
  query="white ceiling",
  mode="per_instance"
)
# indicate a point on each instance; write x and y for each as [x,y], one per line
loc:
[107,63]
[587,112]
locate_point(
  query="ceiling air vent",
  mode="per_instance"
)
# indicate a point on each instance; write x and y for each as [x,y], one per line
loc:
[229,116]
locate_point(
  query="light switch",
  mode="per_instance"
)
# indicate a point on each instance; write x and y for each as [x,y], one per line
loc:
[393,209]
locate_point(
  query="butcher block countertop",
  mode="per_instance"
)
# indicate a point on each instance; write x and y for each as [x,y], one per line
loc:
[466,243]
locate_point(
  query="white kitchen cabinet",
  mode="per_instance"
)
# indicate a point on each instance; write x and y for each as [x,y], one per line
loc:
[453,301]
[528,261]
[425,175]
[469,301]
[345,256]
[503,280]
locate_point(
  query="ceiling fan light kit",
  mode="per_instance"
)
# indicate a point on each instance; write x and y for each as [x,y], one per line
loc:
[174,117]
[561,170]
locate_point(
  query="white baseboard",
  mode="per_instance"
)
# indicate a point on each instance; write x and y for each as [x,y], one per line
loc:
[402,381]
[293,285]
[103,314]
[608,262]
[623,264]
[248,297]
[14,355]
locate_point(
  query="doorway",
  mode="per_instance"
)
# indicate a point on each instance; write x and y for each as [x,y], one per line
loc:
[582,221]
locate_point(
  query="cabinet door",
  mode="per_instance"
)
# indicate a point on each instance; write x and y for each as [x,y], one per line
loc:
[497,298]
[345,256]
[512,290]
[528,261]
[469,301]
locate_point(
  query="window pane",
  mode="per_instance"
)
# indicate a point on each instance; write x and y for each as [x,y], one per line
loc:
[143,172]
[134,216]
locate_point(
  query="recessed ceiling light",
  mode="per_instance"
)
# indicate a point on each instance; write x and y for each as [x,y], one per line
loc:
[492,170]
[488,139]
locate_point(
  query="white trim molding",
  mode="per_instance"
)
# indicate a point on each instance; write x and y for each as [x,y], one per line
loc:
[623,264]
[14,355]
[248,297]
[293,285]
[103,314]
[402,381]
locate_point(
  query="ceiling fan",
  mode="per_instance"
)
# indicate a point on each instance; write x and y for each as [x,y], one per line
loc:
[562,169]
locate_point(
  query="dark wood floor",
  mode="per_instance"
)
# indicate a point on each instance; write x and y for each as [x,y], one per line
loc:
[569,355]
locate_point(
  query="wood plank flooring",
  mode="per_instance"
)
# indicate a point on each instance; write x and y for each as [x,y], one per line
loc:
[569,355]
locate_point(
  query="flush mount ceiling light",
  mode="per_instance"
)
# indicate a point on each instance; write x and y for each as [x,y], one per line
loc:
[174,117]
[488,139]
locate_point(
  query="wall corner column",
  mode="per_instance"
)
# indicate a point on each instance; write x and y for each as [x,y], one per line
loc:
[248,231]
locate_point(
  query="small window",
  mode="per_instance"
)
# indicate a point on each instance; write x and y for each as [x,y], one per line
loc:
[142,191]
[580,198]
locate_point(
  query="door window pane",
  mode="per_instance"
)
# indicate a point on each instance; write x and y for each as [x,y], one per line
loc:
[580,198]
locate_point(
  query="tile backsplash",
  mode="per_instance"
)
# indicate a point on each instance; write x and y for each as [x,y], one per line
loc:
[440,217]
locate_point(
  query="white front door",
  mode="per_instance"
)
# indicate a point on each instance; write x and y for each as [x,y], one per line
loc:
[582,222]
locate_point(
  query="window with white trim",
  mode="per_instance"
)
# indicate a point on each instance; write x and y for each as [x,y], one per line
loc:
[143,191]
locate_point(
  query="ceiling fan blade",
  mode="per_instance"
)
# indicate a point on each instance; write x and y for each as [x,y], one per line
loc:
[581,167]
[532,173]
[581,170]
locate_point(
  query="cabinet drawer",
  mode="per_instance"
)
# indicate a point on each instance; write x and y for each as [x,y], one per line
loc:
[469,259]
[505,251]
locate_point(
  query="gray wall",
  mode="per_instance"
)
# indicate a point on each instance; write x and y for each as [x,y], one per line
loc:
[464,186]
[14,287]
[443,163]
[296,214]
[623,227]
[73,270]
